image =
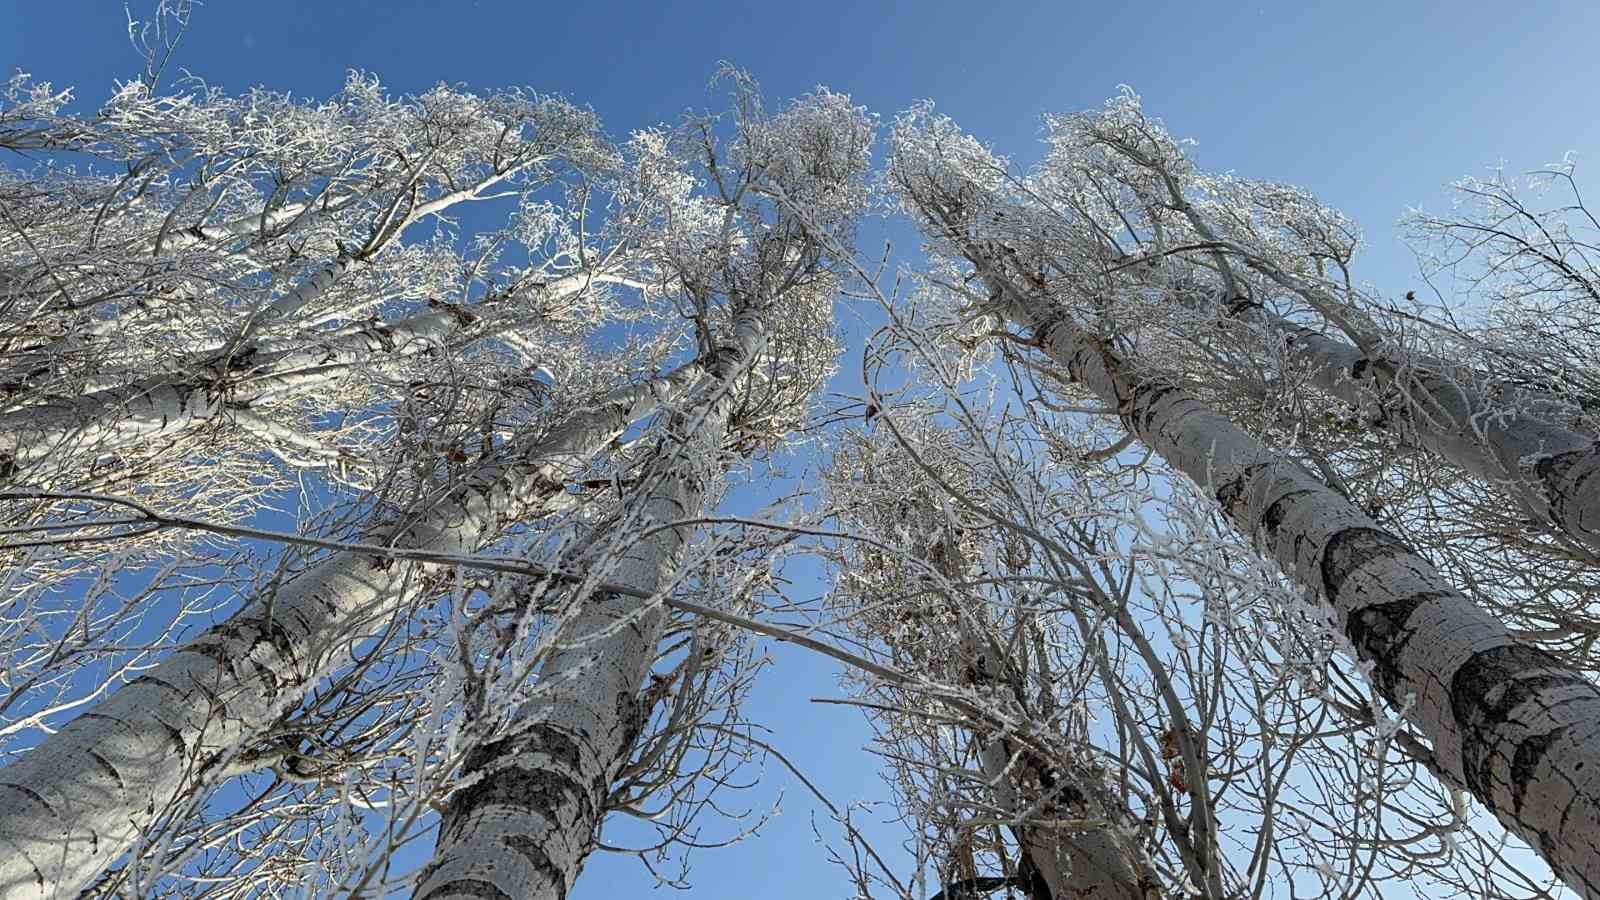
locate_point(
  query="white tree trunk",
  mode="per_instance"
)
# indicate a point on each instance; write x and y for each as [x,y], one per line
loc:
[1519,729]
[1087,863]
[300,212]
[1551,470]
[126,416]
[524,827]
[78,801]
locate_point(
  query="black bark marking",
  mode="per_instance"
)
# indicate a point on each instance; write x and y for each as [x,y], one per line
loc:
[1233,493]
[1348,549]
[254,634]
[219,653]
[1045,333]
[1033,879]
[533,790]
[634,715]
[267,630]
[1146,396]
[173,734]
[1240,304]
[542,738]
[384,335]
[179,693]
[176,737]
[1526,761]
[1381,632]
[1510,674]
[215,650]
[31,794]
[1359,368]
[471,887]
[1554,468]
[106,767]
[1279,510]
[530,850]
[973,888]
[537,790]
[282,640]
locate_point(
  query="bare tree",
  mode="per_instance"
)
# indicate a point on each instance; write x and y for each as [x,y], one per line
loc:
[116,770]
[758,293]
[1495,428]
[1045,584]
[144,336]
[1504,719]
[1472,447]
[507,606]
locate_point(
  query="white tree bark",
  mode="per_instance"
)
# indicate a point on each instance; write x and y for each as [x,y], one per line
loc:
[1494,431]
[1026,786]
[118,418]
[1551,470]
[528,820]
[299,213]
[1087,863]
[1520,730]
[318,283]
[78,801]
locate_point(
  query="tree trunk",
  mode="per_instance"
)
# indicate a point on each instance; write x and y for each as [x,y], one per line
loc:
[527,821]
[1551,470]
[122,417]
[1086,863]
[1506,719]
[78,801]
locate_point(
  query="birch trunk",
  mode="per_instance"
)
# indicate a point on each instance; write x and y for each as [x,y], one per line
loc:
[1089,863]
[78,801]
[256,227]
[1552,471]
[1507,720]
[1085,863]
[528,820]
[118,418]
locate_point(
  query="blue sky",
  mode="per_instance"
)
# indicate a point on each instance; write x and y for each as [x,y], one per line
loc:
[1373,106]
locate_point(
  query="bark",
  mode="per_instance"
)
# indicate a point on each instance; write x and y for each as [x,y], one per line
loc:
[982,886]
[1509,721]
[257,226]
[1055,863]
[302,295]
[82,798]
[528,818]
[122,417]
[1494,431]
[1552,471]
[1090,863]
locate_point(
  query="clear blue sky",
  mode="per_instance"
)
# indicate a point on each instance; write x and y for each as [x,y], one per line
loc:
[1374,106]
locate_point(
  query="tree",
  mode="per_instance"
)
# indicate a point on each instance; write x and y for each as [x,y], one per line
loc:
[178,725]
[1038,588]
[1186,222]
[122,334]
[510,604]
[1072,830]
[758,287]
[1423,414]
[1505,720]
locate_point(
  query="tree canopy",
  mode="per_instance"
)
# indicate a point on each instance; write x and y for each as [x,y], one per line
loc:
[394,486]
